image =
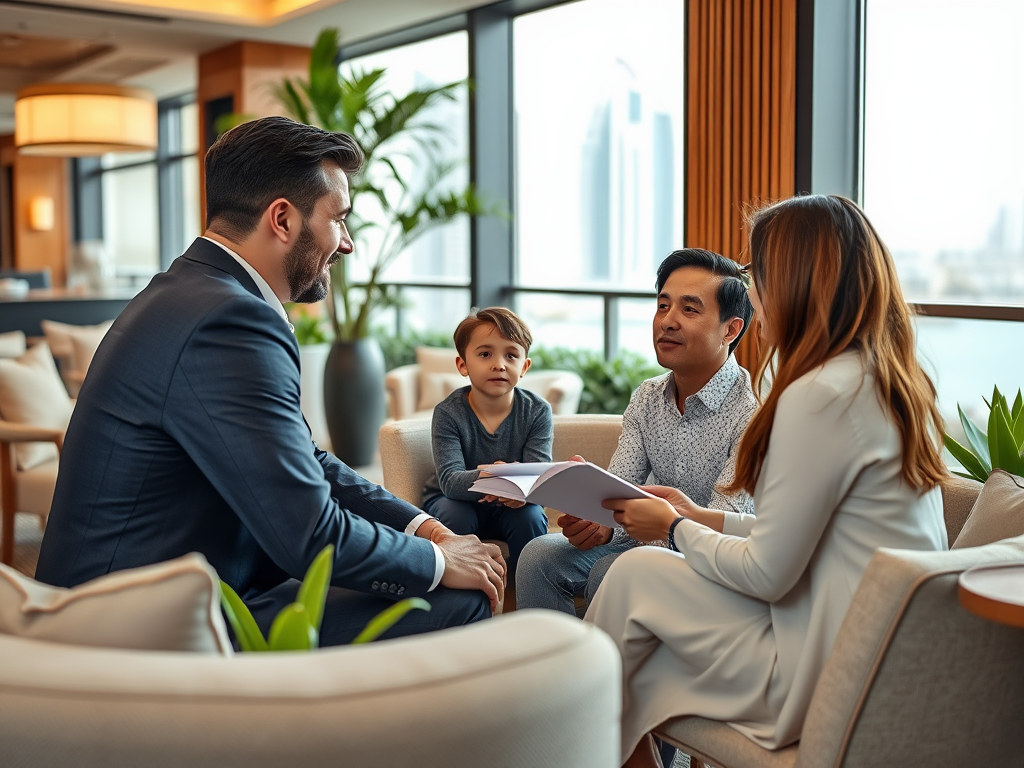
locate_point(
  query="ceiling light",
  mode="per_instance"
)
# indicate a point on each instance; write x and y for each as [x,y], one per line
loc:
[78,119]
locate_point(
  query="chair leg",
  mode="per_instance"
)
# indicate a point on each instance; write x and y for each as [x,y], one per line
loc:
[9,503]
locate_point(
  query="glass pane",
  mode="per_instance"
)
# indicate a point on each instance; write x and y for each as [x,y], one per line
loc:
[636,333]
[118,159]
[443,252]
[943,156]
[130,229]
[190,203]
[189,118]
[575,322]
[426,311]
[599,88]
[965,359]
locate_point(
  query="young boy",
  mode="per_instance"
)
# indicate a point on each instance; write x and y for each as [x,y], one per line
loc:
[489,421]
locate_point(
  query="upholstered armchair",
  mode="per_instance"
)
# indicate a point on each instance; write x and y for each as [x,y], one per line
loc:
[913,680]
[414,390]
[34,413]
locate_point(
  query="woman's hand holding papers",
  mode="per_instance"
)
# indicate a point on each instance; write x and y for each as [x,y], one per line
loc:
[650,519]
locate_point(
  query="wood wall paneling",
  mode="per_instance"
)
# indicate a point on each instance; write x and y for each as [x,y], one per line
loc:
[741,120]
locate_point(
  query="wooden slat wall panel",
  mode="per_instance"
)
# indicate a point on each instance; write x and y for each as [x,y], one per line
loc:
[741,120]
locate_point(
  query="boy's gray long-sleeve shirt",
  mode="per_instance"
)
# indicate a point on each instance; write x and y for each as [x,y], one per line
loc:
[460,443]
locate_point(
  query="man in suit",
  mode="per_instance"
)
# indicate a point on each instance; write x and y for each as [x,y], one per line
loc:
[187,435]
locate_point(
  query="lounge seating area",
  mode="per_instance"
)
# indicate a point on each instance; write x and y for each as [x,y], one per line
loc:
[682,229]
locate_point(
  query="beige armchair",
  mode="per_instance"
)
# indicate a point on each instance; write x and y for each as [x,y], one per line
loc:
[533,688]
[407,460]
[913,680]
[34,413]
[414,390]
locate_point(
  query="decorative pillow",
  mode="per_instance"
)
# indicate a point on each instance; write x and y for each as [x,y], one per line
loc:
[171,606]
[433,361]
[435,387]
[73,346]
[32,393]
[12,344]
[998,513]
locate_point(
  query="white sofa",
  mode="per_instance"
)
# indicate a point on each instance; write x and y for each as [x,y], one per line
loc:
[527,690]
[414,390]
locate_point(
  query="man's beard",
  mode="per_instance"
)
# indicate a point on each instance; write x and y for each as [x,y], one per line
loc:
[307,284]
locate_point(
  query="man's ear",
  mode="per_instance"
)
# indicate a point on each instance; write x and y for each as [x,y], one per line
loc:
[284,220]
[733,329]
[461,365]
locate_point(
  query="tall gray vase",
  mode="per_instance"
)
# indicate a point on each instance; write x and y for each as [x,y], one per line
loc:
[354,399]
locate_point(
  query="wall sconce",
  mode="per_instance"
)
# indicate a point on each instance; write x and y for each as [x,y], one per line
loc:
[40,214]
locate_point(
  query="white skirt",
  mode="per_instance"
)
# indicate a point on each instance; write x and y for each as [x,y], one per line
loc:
[689,647]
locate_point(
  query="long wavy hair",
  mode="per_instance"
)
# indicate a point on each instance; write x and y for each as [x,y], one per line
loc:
[827,284]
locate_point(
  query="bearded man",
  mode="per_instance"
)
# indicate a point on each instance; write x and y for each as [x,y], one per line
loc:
[188,436]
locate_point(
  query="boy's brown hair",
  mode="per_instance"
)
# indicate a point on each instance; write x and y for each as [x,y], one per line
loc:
[505,320]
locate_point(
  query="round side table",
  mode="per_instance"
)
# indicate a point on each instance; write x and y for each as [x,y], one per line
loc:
[994,592]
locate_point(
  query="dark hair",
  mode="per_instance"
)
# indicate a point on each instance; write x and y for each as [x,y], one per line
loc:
[732,289]
[257,162]
[505,320]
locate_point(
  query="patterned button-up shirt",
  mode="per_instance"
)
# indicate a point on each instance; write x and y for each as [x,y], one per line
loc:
[694,451]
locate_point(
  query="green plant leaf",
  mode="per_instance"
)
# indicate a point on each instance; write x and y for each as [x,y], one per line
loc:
[292,631]
[242,623]
[387,618]
[967,459]
[1005,453]
[313,591]
[977,439]
[1018,406]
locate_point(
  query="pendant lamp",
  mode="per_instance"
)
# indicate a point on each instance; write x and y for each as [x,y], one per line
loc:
[81,119]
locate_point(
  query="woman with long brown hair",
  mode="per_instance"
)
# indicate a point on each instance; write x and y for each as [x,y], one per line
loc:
[842,457]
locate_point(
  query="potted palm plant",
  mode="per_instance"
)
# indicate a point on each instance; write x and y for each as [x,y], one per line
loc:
[411,199]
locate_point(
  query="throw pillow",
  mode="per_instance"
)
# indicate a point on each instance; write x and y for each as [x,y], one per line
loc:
[12,344]
[73,346]
[32,393]
[433,360]
[997,514]
[435,387]
[170,606]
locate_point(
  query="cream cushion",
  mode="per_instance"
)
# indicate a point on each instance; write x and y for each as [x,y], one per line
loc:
[171,606]
[31,392]
[438,374]
[12,344]
[74,346]
[997,514]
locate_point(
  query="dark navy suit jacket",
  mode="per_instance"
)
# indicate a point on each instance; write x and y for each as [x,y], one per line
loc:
[187,436]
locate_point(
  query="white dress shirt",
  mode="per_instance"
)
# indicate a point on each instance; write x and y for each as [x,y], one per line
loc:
[271,298]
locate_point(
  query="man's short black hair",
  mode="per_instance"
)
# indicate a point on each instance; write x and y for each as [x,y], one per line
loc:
[257,162]
[732,290]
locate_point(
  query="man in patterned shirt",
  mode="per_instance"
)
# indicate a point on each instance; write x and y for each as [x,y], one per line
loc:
[680,429]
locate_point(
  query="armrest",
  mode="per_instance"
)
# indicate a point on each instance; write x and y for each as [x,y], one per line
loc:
[26,433]
[402,384]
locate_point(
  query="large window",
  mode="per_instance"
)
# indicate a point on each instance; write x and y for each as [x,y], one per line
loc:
[442,255]
[599,98]
[944,180]
[136,212]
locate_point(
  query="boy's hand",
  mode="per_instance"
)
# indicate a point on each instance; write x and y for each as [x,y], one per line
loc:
[584,534]
[489,499]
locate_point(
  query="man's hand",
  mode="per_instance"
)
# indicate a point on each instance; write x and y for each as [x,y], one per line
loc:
[584,534]
[643,519]
[471,564]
